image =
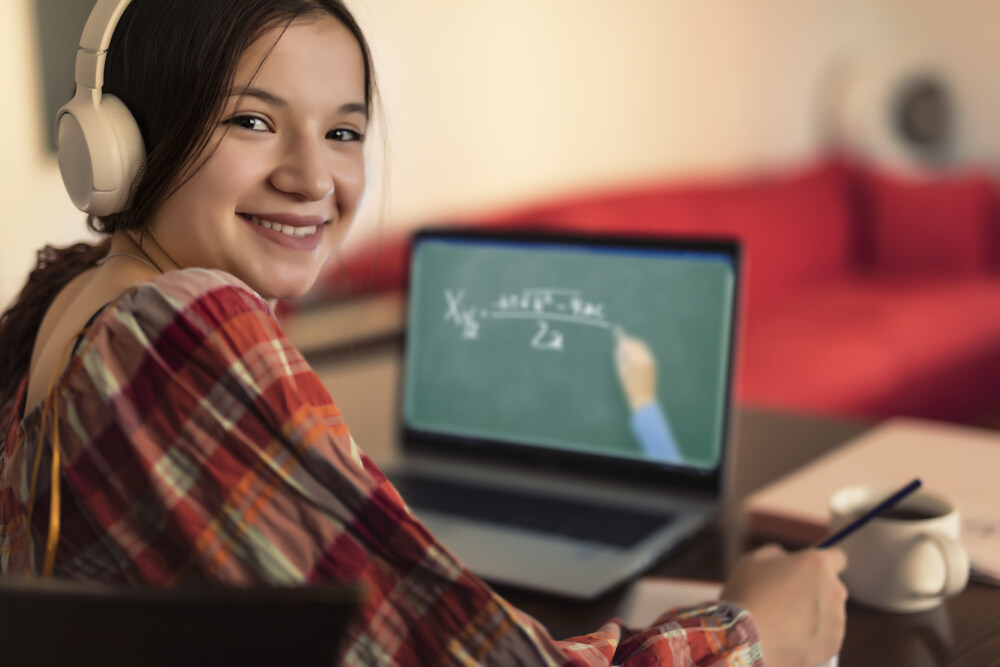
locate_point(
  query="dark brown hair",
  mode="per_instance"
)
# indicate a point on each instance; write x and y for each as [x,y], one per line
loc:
[172,62]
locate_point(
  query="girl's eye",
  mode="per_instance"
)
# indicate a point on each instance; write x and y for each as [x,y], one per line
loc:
[343,134]
[252,123]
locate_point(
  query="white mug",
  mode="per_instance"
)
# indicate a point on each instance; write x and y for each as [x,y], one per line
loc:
[907,559]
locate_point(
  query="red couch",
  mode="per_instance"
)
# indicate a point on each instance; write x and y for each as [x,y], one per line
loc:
[865,295]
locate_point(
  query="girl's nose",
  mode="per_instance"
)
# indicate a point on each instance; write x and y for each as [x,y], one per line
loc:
[306,171]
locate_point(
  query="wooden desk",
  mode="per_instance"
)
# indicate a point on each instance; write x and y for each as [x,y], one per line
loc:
[964,631]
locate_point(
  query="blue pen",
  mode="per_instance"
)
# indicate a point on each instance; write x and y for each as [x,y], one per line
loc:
[870,514]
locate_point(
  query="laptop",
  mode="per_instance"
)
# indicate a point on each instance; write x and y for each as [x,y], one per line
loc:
[525,449]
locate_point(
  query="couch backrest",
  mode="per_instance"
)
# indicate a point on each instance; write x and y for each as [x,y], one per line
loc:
[796,228]
[799,227]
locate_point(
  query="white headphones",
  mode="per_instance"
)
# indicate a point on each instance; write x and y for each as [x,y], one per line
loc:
[100,146]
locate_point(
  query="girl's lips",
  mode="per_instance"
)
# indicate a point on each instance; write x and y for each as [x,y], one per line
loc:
[294,237]
[290,230]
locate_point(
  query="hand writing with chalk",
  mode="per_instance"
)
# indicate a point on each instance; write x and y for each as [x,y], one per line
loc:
[637,373]
[636,369]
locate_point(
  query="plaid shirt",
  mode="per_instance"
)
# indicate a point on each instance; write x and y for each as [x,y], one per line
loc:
[196,444]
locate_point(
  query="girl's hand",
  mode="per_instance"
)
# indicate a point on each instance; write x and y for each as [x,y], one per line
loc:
[797,601]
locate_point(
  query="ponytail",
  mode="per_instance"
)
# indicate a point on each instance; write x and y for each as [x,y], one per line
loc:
[19,324]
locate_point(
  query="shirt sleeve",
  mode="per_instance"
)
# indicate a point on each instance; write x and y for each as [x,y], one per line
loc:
[221,457]
[715,634]
[652,430]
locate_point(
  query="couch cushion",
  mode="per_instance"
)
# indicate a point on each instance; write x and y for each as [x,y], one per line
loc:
[875,348]
[932,226]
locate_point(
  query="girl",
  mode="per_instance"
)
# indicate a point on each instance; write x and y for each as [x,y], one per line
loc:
[159,427]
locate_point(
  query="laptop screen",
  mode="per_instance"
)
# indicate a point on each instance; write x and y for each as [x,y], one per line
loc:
[609,349]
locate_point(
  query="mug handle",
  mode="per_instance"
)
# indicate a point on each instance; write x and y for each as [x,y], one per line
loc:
[956,563]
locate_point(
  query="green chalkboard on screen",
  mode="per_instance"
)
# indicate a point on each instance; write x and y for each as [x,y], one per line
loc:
[513,341]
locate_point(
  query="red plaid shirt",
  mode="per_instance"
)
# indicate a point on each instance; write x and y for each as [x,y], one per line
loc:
[197,444]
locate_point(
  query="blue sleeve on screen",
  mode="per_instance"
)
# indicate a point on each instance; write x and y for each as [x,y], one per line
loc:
[650,427]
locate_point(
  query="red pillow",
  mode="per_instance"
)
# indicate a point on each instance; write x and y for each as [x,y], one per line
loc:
[931,225]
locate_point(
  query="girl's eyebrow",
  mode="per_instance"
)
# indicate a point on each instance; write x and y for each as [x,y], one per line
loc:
[354,107]
[263,95]
[274,100]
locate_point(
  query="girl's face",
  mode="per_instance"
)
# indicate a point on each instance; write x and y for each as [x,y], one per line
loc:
[286,170]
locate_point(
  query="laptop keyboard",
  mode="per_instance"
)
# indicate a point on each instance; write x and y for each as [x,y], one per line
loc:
[577,519]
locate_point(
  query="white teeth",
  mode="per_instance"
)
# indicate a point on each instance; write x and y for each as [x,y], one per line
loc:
[289,230]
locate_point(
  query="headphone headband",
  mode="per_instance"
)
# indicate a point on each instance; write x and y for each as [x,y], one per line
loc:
[95,40]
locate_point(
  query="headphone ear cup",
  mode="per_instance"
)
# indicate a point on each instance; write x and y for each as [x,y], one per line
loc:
[101,151]
[131,148]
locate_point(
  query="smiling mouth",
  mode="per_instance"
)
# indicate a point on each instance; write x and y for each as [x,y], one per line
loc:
[288,230]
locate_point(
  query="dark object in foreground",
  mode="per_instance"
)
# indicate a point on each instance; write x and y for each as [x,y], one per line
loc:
[51,622]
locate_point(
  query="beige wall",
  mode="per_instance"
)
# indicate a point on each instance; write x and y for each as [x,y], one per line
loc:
[36,209]
[955,39]
[490,103]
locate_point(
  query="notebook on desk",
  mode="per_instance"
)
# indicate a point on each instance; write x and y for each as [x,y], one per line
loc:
[520,451]
[958,462]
